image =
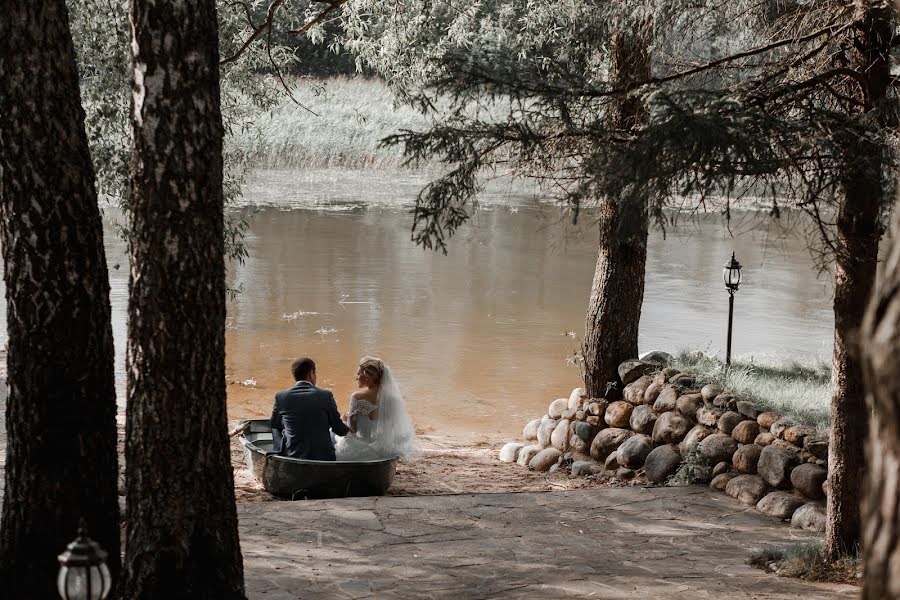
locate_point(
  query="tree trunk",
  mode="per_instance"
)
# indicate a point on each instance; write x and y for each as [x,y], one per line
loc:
[858,233]
[181,537]
[881,503]
[61,459]
[617,292]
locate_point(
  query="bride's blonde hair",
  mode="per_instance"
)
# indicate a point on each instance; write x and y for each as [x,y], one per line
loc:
[373,368]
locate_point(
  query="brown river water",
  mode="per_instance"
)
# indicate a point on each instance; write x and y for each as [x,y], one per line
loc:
[477,339]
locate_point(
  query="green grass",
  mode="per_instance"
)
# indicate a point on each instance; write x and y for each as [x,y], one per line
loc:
[803,559]
[351,117]
[795,389]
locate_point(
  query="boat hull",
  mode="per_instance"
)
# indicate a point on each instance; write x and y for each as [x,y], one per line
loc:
[296,478]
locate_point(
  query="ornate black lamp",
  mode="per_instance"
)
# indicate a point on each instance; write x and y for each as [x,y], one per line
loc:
[732,276]
[83,574]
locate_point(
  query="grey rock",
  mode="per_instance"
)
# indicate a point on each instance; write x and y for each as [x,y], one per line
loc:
[778,427]
[634,391]
[748,409]
[661,463]
[585,467]
[526,454]
[695,436]
[786,446]
[745,432]
[585,431]
[556,408]
[577,396]
[545,459]
[817,445]
[597,407]
[682,379]
[689,404]
[625,473]
[710,391]
[810,517]
[652,393]
[612,461]
[709,415]
[764,438]
[657,356]
[797,434]
[545,430]
[531,430]
[618,414]
[578,445]
[632,369]
[580,415]
[568,414]
[670,428]
[746,458]
[726,401]
[728,421]
[779,504]
[747,489]
[634,450]
[510,452]
[559,439]
[717,447]
[720,468]
[642,419]
[720,481]
[608,440]
[766,419]
[666,399]
[775,465]
[808,479]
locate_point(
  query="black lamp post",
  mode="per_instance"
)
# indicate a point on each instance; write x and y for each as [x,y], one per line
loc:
[732,276]
[83,574]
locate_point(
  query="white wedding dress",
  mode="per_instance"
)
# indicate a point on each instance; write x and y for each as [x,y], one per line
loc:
[389,435]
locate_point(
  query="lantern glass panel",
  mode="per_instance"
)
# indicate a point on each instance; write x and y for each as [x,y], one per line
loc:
[72,582]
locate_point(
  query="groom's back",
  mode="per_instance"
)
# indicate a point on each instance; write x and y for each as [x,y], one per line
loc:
[304,414]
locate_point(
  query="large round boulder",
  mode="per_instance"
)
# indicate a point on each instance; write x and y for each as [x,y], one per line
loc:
[710,391]
[642,419]
[689,404]
[810,517]
[585,431]
[695,436]
[618,414]
[764,438]
[778,427]
[728,421]
[779,504]
[545,459]
[633,369]
[608,440]
[709,415]
[576,398]
[652,393]
[717,447]
[634,391]
[510,452]
[666,399]
[585,467]
[808,479]
[661,463]
[746,458]
[556,408]
[578,445]
[657,356]
[720,481]
[747,489]
[670,428]
[526,454]
[531,430]
[559,439]
[634,451]
[817,445]
[745,432]
[765,419]
[545,430]
[775,465]
[748,409]
[798,433]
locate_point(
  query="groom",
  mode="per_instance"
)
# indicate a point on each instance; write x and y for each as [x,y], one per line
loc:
[302,416]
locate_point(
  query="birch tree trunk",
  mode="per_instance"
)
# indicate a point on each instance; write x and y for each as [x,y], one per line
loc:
[60,416]
[181,536]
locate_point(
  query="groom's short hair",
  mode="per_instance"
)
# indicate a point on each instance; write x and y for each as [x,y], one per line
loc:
[302,368]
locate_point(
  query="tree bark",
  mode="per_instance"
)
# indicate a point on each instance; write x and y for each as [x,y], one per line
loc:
[181,536]
[617,292]
[858,234]
[881,503]
[61,459]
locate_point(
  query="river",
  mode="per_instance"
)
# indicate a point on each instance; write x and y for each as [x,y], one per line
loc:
[478,339]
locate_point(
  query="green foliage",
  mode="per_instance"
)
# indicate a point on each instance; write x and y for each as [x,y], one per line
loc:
[804,559]
[693,468]
[799,390]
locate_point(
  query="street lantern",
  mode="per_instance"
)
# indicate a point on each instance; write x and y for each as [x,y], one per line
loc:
[731,274]
[83,574]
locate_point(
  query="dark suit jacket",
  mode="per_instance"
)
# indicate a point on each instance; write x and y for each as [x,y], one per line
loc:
[303,415]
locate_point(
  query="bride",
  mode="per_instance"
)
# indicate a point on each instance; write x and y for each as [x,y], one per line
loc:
[379,424]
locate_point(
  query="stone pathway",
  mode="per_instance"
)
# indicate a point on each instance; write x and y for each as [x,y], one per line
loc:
[664,543]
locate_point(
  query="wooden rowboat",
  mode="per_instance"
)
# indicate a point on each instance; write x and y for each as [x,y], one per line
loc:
[297,478]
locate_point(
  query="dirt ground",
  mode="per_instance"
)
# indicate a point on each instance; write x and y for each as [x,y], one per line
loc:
[445,468]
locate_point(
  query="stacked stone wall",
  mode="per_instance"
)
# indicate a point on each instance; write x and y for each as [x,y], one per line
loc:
[660,422]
